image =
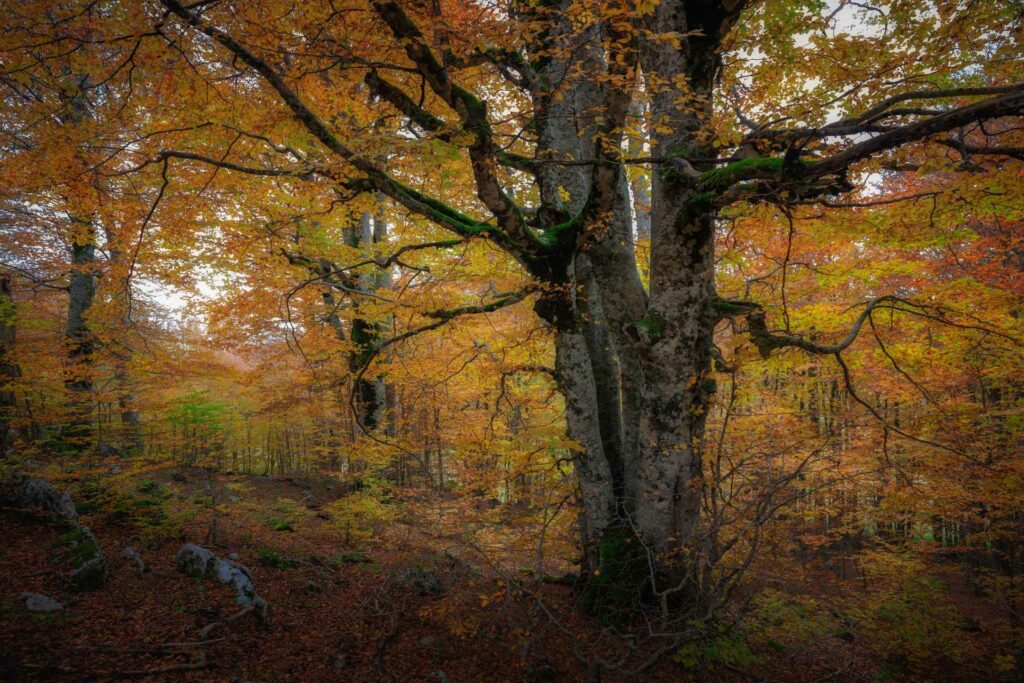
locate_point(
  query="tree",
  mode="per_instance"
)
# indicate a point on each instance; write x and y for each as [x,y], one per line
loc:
[9,370]
[534,113]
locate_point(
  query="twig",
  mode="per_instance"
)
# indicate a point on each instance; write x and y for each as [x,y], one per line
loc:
[200,663]
[209,628]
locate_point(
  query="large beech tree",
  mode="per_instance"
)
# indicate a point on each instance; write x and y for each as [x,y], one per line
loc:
[552,109]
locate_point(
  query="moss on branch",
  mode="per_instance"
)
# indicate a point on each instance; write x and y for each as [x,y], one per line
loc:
[724,177]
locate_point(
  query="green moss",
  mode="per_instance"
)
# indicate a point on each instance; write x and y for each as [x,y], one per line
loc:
[88,567]
[445,214]
[279,525]
[81,547]
[474,105]
[653,324]
[621,580]
[719,179]
[724,176]
[732,307]
[364,335]
[716,645]
[269,558]
[8,311]
[555,235]
[701,202]
[354,557]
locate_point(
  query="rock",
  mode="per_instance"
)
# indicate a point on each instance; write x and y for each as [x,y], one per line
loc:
[238,577]
[28,492]
[35,602]
[422,581]
[132,557]
[88,564]
[430,643]
[201,563]
[196,561]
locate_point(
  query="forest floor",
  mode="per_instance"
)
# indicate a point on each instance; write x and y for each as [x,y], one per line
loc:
[406,605]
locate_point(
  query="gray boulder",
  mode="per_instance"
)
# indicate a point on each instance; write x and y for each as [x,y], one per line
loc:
[199,562]
[424,582]
[132,557]
[88,563]
[28,492]
[36,602]
[196,561]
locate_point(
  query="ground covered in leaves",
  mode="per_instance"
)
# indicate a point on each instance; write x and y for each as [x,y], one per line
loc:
[409,603]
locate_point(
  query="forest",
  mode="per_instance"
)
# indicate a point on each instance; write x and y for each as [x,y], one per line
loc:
[512,340]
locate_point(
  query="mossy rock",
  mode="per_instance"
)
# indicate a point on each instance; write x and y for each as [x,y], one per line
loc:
[88,564]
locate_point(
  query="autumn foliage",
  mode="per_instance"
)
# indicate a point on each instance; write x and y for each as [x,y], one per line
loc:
[300,281]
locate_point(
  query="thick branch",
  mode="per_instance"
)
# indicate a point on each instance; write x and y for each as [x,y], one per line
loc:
[766,341]
[1003,105]
[473,114]
[865,122]
[411,199]
[166,154]
[407,106]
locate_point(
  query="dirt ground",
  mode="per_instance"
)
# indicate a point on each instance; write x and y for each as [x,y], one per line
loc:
[403,607]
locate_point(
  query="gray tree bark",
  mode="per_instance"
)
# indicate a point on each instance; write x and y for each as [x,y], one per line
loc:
[9,371]
[81,343]
[131,429]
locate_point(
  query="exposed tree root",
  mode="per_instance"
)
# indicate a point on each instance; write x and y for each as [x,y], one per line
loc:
[209,628]
[200,663]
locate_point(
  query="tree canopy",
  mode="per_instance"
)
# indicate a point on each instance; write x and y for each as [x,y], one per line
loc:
[681,292]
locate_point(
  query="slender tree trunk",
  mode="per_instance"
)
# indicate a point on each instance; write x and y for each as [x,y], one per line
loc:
[131,432]
[9,371]
[79,338]
[370,394]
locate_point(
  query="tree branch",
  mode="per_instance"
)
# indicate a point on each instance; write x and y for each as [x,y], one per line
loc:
[411,199]
[472,112]
[766,341]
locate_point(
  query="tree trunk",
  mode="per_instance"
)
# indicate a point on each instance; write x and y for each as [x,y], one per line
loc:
[9,371]
[131,432]
[635,372]
[79,338]
[370,394]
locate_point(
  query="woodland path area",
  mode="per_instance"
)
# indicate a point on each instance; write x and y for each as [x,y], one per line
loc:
[337,614]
